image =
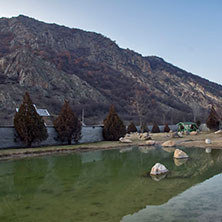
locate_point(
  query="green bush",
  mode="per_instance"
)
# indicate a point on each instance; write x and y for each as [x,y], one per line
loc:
[113,126]
[28,124]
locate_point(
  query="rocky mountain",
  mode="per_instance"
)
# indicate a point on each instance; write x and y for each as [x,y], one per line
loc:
[54,63]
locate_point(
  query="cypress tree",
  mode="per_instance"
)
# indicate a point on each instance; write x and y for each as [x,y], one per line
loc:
[155,128]
[28,124]
[113,126]
[67,125]
[166,128]
[131,128]
[213,120]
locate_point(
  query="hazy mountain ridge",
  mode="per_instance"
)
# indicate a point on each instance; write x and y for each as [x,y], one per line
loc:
[54,63]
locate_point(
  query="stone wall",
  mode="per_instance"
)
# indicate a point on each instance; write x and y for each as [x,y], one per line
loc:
[8,139]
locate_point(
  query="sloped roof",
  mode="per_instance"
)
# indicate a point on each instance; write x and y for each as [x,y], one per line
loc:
[41,112]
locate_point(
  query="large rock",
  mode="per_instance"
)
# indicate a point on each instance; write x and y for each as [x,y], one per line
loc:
[144,136]
[169,143]
[208,141]
[179,154]
[125,140]
[158,168]
[150,142]
[218,132]
[193,133]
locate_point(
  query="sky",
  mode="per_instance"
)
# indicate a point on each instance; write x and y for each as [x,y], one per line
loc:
[186,33]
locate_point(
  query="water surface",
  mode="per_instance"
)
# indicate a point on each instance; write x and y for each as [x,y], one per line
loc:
[112,186]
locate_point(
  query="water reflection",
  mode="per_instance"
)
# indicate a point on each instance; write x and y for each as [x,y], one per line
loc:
[179,162]
[97,186]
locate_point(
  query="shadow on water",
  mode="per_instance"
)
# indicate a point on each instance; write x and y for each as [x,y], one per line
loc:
[99,185]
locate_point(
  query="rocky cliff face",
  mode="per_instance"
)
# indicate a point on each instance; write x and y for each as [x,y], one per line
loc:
[55,63]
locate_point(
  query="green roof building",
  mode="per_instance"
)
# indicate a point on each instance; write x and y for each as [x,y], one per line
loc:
[187,126]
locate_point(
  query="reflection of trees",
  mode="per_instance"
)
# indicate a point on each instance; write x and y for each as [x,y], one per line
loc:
[68,168]
[29,175]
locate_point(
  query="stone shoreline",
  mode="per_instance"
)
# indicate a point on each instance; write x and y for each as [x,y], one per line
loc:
[197,141]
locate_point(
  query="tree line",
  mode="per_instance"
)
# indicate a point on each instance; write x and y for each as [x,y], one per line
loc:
[30,126]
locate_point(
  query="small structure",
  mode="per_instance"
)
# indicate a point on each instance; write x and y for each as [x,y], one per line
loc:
[187,126]
[41,112]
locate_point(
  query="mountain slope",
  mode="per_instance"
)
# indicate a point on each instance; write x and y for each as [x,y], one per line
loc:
[55,63]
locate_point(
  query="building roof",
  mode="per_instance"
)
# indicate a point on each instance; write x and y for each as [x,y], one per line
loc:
[41,112]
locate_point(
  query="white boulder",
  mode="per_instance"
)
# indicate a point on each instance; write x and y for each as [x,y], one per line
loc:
[158,168]
[218,132]
[124,140]
[208,141]
[179,154]
[168,143]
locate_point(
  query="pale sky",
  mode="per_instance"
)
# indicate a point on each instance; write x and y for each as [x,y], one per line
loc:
[186,33]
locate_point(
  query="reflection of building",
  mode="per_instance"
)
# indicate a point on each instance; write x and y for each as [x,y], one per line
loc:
[88,157]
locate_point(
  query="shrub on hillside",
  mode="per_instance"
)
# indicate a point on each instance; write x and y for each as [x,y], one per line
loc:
[28,124]
[213,120]
[166,128]
[113,126]
[67,125]
[131,128]
[155,128]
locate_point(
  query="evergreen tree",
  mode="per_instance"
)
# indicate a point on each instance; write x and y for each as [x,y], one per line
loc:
[166,128]
[213,120]
[67,125]
[131,128]
[155,128]
[144,128]
[113,126]
[28,124]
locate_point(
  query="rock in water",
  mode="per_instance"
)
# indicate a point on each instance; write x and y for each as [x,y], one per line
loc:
[169,143]
[158,168]
[150,142]
[193,133]
[179,154]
